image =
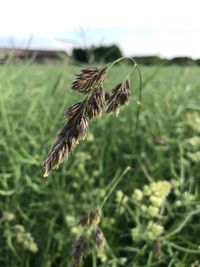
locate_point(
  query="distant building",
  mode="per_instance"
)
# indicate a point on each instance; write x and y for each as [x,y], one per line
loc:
[37,55]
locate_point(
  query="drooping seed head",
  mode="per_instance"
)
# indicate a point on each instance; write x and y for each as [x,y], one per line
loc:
[98,237]
[87,79]
[59,151]
[74,130]
[80,126]
[74,110]
[96,102]
[107,96]
[90,218]
[80,249]
[119,96]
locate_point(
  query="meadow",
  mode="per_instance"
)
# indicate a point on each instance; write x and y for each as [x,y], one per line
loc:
[147,183]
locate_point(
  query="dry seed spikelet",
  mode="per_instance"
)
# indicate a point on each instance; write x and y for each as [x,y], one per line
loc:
[90,82]
[119,96]
[87,79]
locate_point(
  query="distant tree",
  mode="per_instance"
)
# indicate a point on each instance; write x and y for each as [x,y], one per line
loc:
[197,61]
[106,53]
[97,53]
[113,52]
[182,61]
[80,54]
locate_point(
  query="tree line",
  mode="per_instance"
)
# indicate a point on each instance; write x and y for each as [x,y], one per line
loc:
[113,52]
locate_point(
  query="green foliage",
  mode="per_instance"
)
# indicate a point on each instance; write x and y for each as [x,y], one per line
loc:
[97,54]
[182,61]
[38,216]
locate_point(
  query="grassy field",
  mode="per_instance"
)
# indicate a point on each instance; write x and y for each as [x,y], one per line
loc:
[148,183]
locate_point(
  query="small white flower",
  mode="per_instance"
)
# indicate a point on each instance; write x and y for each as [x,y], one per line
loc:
[154,230]
[119,196]
[156,201]
[153,211]
[137,195]
[147,190]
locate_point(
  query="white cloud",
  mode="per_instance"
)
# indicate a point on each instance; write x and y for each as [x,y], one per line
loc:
[175,23]
[164,43]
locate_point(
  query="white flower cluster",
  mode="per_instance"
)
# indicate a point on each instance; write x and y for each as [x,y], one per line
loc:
[149,203]
[71,222]
[17,232]
[25,238]
[193,119]
[153,195]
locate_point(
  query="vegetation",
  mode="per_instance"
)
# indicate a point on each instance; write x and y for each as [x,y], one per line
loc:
[113,52]
[97,54]
[146,185]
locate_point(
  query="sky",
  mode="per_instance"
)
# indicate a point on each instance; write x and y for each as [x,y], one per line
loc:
[166,28]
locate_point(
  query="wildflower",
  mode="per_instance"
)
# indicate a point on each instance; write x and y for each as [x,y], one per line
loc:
[143,208]
[150,236]
[101,255]
[137,195]
[178,203]
[8,216]
[119,196]
[193,120]
[75,230]
[136,234]
[25,238]
[156,201]
[153,211]
[194,141]
[33,247]
[70,220]
[161,188]
[125,200]
[154,230]
[19,228]
[177,192]
[196,263]
[90,137]
[195,157]
[147,190]
[122,261]
[187,197]
[175,183]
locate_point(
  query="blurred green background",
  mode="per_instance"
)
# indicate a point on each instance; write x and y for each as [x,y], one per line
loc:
[37,215]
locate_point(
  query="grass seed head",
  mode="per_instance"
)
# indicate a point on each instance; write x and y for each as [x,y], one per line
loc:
[119,96]
[80,249]
[96,102]
[87,79]
[90,218]
[74,130]
[98,237]
[74,110]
